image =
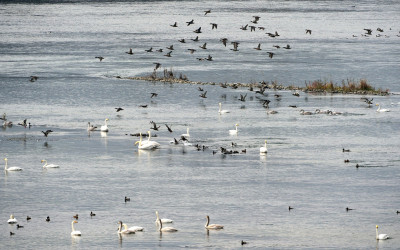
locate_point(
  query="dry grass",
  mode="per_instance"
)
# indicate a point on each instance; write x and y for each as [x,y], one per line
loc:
[347,86]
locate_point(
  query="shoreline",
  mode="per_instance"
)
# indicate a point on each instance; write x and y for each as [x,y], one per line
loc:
[263,84]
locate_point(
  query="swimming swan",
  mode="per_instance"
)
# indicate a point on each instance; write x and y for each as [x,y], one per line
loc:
[212,226]
[234,131]
[381,110]
[49,165]
[91,127]
[187,133]
[163,220]
[381,236]
[134,228]
[222,111]
[12,168]
[104,128]
[125,230]
[264,150]
[12,220]
[165,229]
[74,232]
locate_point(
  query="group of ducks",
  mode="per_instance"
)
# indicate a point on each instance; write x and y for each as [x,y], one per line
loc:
[123,228]
[45,166]
[224,41]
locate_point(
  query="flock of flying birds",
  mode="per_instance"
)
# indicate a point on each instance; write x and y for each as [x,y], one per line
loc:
[195,47]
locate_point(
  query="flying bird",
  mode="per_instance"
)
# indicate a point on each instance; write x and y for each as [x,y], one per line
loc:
[174,25]
[100,58]
[119,109]
[197,30]
[158,65]
[153,95]
[129,52]
[214,25]
[207,12]
[47,132]
[203,95]
[190,22]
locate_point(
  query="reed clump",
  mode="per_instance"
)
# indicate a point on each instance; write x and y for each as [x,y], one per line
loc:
[347,86]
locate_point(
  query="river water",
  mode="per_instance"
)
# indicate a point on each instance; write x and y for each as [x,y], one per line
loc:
[247,192]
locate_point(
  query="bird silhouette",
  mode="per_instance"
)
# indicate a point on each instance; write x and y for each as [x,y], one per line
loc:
[158,65]
[169,128]
[196,39]
[119,109]
[100,58]
[203,95]
[149,50]
[168,54]
[47,132]
[224,41]
[214,25]
[204,46]
[129,52]
[174,25]
[190,22]
[258,47]
[207,12]
[256,18]
[192,51]
[153,95]
[271,54]
[308,31]
[197,30]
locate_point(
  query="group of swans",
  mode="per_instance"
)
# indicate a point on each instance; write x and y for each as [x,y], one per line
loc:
[45,166]
[147,145]
[103,128]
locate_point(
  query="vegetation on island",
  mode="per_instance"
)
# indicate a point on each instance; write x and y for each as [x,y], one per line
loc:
[348,86]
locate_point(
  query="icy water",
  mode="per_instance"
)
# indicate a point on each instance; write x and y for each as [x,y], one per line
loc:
[247,192]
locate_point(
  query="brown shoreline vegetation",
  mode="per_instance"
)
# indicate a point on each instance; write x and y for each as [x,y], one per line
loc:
[360,87]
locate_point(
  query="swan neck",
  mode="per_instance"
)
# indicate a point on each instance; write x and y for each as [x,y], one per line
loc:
[208,221]
[5,166]
[72,226]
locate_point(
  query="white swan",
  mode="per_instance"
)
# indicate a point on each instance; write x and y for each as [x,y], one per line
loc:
[222,111]
[75,232]
[12,220]
[49,165]
[163,220]
[381,236]
[147,144]
[381,110]
[12,168]
[165,229]
[104,128]
[125,230]
[234,131]
[187,133]
[134,228]
[212,226]
[264,150]
[91,127]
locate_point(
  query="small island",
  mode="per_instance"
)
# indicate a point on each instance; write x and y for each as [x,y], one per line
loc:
[360,87]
